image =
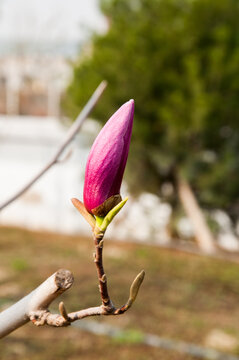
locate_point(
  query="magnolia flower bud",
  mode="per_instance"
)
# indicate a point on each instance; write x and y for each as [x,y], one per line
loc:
[107,160]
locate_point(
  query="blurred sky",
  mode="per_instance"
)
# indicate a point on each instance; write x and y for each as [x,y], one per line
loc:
[49,20]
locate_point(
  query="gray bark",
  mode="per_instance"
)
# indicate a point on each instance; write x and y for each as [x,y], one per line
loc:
[39,299]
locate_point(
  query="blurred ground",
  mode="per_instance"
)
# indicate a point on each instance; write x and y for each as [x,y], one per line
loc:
[184,297]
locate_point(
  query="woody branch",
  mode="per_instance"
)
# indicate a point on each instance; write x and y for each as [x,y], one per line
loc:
[43,316]
[35,305]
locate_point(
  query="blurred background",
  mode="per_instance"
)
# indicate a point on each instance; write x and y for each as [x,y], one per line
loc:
[179,60]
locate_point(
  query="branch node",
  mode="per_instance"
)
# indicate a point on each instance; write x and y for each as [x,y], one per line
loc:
[39,317]
[101,244]
[103,279]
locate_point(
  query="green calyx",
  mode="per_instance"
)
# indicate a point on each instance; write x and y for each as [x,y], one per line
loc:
[103,222]
[98,223]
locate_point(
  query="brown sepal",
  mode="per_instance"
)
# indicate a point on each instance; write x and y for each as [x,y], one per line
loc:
[81,208]
[103,209]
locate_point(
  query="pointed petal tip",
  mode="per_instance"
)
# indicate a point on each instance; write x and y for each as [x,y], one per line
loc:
[129,106]
[130,103]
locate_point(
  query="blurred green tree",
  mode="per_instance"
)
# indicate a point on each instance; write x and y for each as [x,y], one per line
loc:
[179,60]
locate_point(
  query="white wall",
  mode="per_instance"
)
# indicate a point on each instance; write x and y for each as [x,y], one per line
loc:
[26,144]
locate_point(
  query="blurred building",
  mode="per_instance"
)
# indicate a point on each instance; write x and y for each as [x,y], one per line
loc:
[32,85]
[33,77]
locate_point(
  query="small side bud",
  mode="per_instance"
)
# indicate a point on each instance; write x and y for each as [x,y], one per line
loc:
[101,244]
[103,279]
[134,289]
[63,311]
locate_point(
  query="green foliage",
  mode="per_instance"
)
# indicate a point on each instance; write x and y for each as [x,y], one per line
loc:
[19,264]
[129,337]
[179,60]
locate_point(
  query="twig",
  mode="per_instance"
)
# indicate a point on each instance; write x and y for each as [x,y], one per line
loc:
[99,242]
[34,306]
[69,137]
[43,316]
[107,305]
